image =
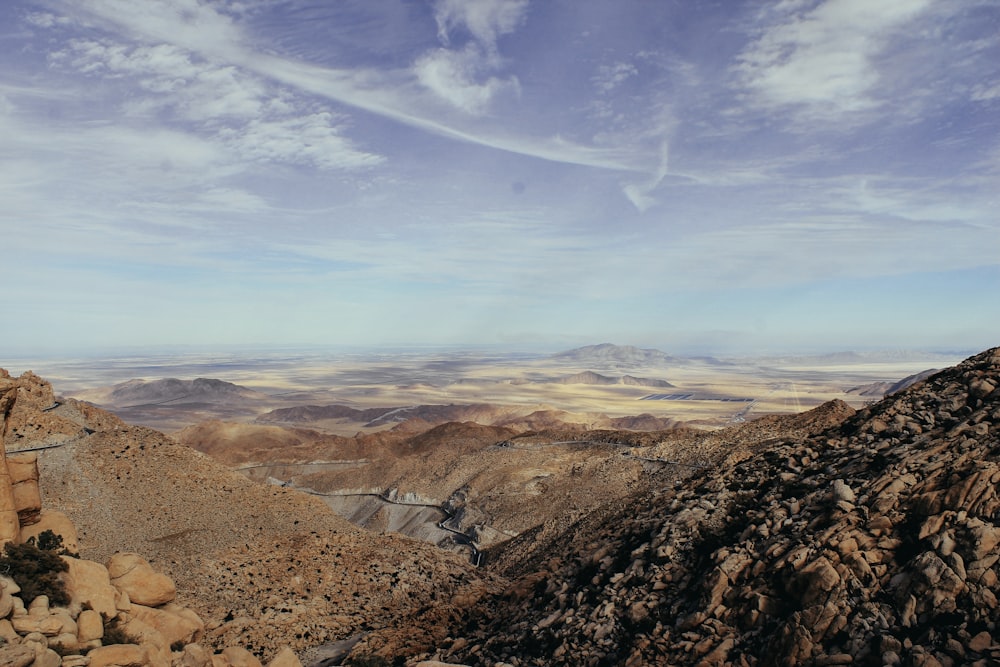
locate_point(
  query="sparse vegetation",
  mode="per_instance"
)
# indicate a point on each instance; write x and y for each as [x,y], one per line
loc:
[36,571]
[115,634]
[50,541]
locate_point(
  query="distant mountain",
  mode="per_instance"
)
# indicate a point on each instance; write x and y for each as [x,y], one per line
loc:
[644,382]
[590,377]
[620,355]
[880,389]
[169,390]
[586,377]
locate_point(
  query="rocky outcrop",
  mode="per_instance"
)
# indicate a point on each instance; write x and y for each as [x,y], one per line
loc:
[10,524]
[127,595]
[876,542]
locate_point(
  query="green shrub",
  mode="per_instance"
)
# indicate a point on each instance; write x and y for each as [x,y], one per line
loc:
[36,571]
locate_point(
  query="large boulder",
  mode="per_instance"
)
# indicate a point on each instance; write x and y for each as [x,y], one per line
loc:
[89,585]
[121,655]
[58,523]
[132,574]
[23,470]
[175,623]
[285,658]
[10,524]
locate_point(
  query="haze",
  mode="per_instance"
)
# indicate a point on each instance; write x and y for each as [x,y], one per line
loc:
[724,176]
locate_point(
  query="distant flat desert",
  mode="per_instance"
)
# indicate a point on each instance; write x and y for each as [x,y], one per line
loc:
[710,392]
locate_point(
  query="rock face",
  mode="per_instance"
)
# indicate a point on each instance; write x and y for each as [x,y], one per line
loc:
[875,542]
[10,524]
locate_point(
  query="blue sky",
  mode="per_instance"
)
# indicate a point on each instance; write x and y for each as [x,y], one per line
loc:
[686,175]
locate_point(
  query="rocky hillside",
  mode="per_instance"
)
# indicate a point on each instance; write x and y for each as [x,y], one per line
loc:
[264,566]
[874,543]
[880,389]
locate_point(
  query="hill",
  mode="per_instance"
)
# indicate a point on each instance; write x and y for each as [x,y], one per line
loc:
[590,377]
[171,390]
[872,542]
[607,354]
[880,389]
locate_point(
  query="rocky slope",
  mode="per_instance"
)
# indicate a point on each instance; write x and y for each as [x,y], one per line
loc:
[874,543]
[264,566]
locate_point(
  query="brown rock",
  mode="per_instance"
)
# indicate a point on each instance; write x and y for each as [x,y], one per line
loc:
[132,574]
[16,655]
[285,658]
[58,523]
[89,626]
[816,580]
[23,470]
[89,585]
[981,642]
[237,656]
[196,656]
[119,655]
[10,524]
[174,622]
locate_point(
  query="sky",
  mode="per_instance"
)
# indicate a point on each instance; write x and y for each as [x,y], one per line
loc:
[681,174]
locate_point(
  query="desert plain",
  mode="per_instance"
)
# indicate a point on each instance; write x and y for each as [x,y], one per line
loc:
[584,382]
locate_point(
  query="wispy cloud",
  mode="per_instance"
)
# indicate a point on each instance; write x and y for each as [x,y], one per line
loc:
[256,120]
[820,57]
[200,29]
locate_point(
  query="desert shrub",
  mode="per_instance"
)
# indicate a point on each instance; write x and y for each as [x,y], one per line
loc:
[36,571]
[115,634]
[50,541]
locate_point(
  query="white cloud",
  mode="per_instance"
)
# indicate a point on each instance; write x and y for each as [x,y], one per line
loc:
[609,77]
[452,76]
[257,120]
[821,58]
[312,139]
[464,77]
[199,29]
[485,19]
[640,194]
[983,92]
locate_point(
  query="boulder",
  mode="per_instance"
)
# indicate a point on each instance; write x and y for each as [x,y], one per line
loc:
[89,626]
[237,656]
[88,584]
[195,655]
[23,470]
[10,524]
[59,524]
[285,658]
[132,574]
[16,655]
[175,623]
[120,655]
